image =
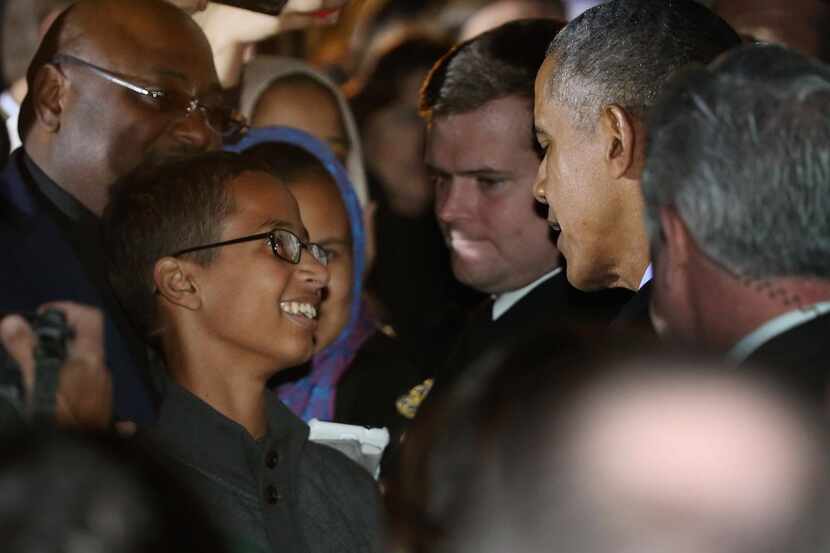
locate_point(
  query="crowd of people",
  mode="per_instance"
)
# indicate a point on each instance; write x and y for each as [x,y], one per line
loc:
[575,259]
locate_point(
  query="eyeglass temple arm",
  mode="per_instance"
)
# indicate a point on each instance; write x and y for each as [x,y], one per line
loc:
[63,58]
[220,244]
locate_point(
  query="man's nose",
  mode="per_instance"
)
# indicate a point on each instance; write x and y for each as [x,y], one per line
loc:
[453,203]
[194,131]
[539,184]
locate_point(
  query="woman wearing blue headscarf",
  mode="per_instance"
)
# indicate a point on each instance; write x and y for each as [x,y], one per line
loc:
[357,373]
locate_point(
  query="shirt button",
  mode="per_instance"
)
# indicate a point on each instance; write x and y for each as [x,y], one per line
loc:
[272,494]
[272,459]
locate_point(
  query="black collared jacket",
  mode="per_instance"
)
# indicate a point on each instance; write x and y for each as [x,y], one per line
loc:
[281,494]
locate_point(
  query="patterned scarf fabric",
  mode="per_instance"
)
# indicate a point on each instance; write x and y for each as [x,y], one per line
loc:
[313,397]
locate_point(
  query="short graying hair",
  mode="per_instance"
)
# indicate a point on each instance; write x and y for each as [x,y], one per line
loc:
[742,152]
[624,51]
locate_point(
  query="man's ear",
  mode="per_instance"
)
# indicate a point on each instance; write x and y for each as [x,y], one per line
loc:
[620,137]
[676,242]
[48,92]
[176,284]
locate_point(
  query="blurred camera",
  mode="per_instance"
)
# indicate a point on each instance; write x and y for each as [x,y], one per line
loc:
[270,7]
[53,335]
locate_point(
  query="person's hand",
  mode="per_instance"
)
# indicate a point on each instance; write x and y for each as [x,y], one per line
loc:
[18,340]
[84,394]
[226,26]
[190,6]
[232,31]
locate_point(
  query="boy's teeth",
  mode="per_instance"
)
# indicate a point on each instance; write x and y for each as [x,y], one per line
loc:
[296,308]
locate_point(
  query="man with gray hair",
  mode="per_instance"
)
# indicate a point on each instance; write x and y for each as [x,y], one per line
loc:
[601,75]
[737,191]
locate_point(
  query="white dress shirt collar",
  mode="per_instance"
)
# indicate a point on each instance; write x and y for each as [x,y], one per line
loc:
[11,111]
[507,300]
[649,274]
[776,327]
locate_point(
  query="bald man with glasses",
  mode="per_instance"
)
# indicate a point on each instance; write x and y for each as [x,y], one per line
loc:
[115,84]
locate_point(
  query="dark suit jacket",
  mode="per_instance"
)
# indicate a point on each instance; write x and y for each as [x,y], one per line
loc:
[552,304]
[40,265]
[5,144]
[800,358]
[634,316]
[381,372]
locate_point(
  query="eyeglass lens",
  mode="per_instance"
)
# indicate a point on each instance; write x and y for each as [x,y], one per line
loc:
[170,101]
[289,247]
[218,116]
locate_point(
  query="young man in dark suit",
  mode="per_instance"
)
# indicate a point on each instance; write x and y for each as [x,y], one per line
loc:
[115,83]
[736,188]
[482,159]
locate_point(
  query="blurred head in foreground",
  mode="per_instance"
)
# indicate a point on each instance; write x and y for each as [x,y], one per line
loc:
[644,454]
[85,494]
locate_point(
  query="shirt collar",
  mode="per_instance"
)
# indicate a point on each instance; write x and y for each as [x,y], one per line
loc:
[196,433]
[65,202]
[8,104]
[776,327]
[11,110]
[647,276]
[505,301]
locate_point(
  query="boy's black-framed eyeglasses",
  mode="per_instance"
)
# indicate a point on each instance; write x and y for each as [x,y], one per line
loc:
[284,244]
[220,118]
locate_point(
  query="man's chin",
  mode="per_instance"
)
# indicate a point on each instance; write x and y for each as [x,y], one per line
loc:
[475,277]
[582,280]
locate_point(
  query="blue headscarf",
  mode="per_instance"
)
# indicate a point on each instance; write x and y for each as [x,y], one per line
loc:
[313,395]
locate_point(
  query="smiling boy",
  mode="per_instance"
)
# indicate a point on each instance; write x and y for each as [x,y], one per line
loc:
[212,261]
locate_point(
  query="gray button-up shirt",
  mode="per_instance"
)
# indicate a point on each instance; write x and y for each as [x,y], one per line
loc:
[280,494]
